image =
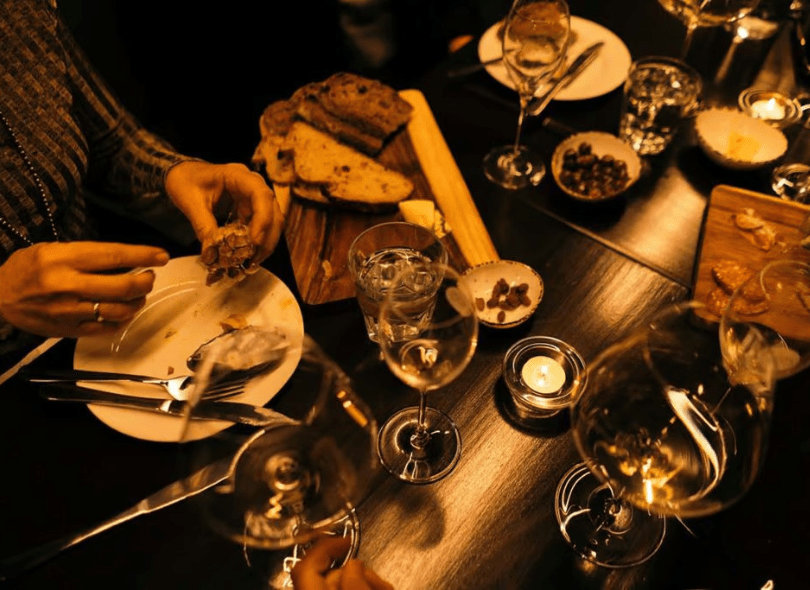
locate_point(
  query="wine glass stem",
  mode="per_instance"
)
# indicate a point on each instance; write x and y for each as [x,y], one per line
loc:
[524,103]
[421,436]
[687,40]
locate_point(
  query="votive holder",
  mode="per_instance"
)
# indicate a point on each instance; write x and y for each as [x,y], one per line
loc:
[771,106]
[543,375]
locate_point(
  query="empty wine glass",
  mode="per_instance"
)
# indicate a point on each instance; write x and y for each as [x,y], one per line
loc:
[298,478]
[535,39]
[427,342]
[665,428]
[774,304]
[705,13]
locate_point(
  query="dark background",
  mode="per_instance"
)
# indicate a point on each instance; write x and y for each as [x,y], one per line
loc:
[201,76]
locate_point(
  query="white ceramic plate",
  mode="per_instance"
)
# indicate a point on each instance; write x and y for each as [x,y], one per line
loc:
[181,313]
[481,279]
[606,72]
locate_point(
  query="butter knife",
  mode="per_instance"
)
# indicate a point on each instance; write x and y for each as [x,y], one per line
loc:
[203,410]
[197,482]
[578,66]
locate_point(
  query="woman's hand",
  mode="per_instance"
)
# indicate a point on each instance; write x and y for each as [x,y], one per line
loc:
[196,188]
[61,289]
[314,573]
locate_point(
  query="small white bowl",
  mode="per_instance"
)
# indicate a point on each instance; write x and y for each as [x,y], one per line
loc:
[481,281]
[738,141]
[602,144]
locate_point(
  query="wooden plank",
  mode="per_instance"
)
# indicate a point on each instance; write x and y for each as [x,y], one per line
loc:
[722,240]
[319,237]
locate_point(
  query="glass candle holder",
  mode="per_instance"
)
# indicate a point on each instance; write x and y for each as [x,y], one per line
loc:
[772,107]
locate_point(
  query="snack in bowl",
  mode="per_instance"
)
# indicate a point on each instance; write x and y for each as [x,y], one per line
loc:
[594,166]
[738,141]
[505,292]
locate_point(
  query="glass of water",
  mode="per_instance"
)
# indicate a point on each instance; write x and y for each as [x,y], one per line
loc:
[658,94]
[381,252]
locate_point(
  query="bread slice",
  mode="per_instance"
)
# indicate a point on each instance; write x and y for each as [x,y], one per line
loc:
[309,109]
[347,176]
[273,152]
[368,104]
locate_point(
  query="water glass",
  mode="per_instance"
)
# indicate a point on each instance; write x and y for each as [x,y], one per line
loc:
[658,94]
[379,253]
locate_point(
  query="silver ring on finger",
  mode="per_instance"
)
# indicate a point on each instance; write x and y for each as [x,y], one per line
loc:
[97,312]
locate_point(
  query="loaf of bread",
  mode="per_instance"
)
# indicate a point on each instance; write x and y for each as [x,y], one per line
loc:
[346,176]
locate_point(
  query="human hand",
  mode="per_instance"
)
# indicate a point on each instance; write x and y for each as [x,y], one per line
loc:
[51,289]
[196,188]
[314,573]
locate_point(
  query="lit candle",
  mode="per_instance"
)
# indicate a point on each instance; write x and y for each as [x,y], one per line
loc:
[543,374]
[770,110]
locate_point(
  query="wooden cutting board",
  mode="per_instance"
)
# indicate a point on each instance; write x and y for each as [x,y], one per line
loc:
[318,237]
[722,240]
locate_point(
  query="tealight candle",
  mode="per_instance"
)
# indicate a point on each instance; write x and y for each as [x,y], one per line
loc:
[770,109]
[543,374]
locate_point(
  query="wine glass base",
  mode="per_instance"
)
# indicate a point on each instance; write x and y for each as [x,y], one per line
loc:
[600,527]
[513,171]
[399,457]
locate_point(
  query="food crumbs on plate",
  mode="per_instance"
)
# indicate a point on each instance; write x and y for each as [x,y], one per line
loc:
[170,370]
[480,303]
[235,321]
[169,333]
[501,316]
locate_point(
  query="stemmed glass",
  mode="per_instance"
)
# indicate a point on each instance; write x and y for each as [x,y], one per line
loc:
[706,13]
[535,38]
[774,304]
[665,428]
[427,342]
[299,477]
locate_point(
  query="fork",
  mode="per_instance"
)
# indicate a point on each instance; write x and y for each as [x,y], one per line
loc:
[179,388]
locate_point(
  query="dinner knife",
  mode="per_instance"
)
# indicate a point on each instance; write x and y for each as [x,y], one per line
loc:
[204,410]
[197,482]
[578,66]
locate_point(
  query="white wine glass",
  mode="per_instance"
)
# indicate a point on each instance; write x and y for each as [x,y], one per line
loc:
[706,13]
[427,342]
[773,303]
[296,479]
[665,429]
[535,39]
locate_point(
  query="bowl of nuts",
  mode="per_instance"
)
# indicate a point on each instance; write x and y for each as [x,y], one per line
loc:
[505,292]
[594,166]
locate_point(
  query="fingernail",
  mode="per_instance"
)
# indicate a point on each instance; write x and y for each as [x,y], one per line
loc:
[162,258]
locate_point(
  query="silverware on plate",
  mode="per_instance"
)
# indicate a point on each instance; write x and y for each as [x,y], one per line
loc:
[180,387]
[579,65]
[203,410]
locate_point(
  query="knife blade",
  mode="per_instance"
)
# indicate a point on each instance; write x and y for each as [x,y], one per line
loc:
[194,484]
[578,66]
[204,410]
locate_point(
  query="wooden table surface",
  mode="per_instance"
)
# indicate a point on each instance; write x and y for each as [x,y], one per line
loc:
[490,524]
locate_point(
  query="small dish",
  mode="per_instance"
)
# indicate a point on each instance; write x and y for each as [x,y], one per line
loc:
[738,141]
[606,171]
[520,281]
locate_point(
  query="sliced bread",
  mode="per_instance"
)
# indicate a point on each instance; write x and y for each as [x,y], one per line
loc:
[348,177]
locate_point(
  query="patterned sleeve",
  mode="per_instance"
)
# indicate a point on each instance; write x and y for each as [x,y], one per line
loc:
[126,160]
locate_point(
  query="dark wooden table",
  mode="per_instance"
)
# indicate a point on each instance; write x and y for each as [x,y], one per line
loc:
[491,523]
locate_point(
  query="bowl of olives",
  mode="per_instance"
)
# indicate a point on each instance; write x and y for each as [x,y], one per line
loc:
[594,166]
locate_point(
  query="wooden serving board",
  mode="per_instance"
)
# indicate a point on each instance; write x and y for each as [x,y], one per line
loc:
[319,237]
[721,240]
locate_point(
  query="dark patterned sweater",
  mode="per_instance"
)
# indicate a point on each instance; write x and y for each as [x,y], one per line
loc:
[76,134]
